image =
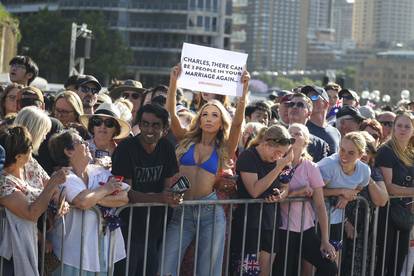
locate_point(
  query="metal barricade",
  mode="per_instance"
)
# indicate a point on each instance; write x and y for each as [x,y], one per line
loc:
[367,253]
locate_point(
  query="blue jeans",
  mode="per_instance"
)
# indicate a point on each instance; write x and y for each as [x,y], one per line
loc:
[210,249]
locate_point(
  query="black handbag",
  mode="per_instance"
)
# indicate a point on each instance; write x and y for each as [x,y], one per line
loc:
[401,215]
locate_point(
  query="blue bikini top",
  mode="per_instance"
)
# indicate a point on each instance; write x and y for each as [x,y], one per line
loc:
[210,165]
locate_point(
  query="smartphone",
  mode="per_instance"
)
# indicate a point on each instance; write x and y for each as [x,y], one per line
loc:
[181,185]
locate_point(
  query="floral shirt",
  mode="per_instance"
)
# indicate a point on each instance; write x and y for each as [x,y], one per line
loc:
[34,174]
[10,184]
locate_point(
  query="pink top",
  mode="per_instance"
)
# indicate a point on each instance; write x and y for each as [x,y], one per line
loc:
[306,174]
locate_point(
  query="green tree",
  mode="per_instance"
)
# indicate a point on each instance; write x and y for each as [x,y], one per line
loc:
[46,38]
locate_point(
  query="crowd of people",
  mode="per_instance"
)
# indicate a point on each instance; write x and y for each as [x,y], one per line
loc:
[93,147]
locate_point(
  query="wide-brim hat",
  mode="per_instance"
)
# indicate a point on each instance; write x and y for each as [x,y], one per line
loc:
[111,111]
[128,85]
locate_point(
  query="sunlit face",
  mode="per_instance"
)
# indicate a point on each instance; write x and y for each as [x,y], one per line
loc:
[300,139]
[333,97]
[387,122]
[298,111]
[80,151]
[18,74]
[152,128]
[135,98]
[348,153]
[319,105]
[64,112]
[260,116]
[403,129]
[273,153]
[88,93]
[10,102]
[284,112]
[210,119]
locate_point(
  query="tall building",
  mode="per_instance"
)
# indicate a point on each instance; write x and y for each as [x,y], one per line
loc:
[342,23]
[320,15]
[272,32]
[383,23]
[153,29]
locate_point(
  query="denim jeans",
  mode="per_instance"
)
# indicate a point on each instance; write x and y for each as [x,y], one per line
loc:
[210,250]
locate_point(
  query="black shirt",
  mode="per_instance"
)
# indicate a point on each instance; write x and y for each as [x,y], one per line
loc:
[148,172]
[250,161]
[317,148]
[329,134]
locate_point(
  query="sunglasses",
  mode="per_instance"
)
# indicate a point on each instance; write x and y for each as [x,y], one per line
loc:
[282,141]
[314,97]
[387,124]
[297,104]
[134,96]
[97,121]
[87,89]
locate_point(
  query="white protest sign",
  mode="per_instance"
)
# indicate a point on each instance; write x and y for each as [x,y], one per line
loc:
[212,70]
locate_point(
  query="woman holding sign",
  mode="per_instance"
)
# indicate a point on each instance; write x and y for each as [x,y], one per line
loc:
[204,151]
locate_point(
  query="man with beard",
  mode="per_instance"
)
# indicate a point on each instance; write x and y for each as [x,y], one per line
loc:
[149,164]
[87,89]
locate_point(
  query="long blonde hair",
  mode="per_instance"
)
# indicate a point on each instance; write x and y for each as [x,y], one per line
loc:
[193,136]
[405,155]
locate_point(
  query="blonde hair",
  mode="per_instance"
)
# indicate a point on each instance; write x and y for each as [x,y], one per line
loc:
[357,139]
[73,99]
[273,132]
[405,155]
[306,135]
[194,134]
[37,123]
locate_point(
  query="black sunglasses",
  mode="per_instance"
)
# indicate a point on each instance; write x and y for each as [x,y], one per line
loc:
[282,141]
[134,96]
[387,124]
[87,89]
[97,121]
[297,104]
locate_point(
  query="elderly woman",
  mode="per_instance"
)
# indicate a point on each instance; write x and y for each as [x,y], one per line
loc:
[86,186]
[204,152]
[105,125]
[306,182]
[395,158]
[8,101]
[67,107]
[23,201]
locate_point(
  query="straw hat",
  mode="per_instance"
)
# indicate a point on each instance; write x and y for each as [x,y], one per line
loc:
[111,111]
[128,85]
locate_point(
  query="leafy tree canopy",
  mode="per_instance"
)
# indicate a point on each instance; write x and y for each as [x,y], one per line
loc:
[46,38]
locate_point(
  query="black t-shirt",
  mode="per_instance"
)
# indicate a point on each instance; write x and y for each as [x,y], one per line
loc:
[148,173]
[329,134]
[401,174]
[250,161]
[43,157]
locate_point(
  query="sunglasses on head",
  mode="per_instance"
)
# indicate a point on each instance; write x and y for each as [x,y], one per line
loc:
[87,89]
[282,141]
[297,104]
[98,121]
[132,95]
[387,124]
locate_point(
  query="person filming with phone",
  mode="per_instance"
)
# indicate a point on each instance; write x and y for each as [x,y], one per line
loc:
[263,174]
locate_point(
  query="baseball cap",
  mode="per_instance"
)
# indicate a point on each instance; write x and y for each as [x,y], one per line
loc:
[316,89]
[85,79]
[351,111]
[351,92]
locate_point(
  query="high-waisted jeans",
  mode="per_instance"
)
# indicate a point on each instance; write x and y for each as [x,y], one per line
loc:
[210,244]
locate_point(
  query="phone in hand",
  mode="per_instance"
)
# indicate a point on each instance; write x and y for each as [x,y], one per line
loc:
[181,185]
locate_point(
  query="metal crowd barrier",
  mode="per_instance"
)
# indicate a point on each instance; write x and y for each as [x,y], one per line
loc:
[365,233]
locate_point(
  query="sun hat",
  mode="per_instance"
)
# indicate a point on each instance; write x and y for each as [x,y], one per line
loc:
[109,110]
[128,85]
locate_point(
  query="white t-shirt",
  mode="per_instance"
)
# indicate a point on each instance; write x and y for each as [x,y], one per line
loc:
[334,177]
[73,227]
